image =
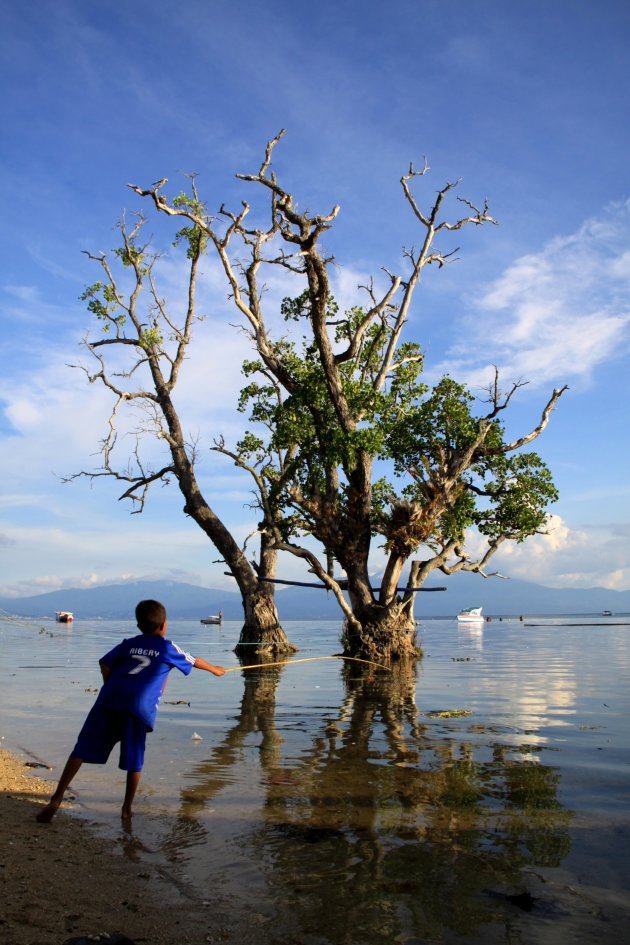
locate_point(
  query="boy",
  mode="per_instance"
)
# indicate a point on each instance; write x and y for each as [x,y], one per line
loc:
[134,676]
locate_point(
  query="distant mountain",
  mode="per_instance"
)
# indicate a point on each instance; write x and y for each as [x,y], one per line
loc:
[188,601]
[509,597]
[118,601]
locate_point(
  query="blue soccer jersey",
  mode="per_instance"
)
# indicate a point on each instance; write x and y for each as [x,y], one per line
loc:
[139,668]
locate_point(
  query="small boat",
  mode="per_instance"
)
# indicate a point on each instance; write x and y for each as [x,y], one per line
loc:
[213,619]
[606,613]
[64,616]
[470,615]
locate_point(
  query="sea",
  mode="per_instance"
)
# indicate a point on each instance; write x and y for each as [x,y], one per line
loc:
[482,796]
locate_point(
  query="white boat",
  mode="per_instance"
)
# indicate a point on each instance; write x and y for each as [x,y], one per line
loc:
[213,619]
[470,615]
[64,616]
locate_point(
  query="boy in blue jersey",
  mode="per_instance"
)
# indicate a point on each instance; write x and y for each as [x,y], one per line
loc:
[134,676]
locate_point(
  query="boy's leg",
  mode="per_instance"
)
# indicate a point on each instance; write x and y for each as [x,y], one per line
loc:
[94,744]
[132,745]
[133,780]
[72,766]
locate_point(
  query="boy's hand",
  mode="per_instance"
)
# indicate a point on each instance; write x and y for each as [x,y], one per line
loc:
[200,663]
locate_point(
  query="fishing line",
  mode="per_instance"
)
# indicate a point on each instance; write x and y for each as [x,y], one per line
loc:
[306,659]
[19,621]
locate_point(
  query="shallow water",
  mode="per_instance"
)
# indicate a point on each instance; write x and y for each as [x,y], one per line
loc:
[484,798]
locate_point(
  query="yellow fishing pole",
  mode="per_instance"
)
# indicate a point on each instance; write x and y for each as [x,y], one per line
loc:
[306,659]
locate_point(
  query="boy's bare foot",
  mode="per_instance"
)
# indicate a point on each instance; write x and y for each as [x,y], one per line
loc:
[126,813]
[47,814]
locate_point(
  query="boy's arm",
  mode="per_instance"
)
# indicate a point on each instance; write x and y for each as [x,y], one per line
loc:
[200,663]
[105,670]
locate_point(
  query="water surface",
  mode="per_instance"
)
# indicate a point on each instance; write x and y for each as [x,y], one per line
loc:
[482,798]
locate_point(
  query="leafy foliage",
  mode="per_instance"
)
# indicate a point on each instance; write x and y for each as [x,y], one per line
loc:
[102,302]
[450,468]
[194,237]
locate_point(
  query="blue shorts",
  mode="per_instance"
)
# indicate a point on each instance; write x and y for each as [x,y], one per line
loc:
[102,729]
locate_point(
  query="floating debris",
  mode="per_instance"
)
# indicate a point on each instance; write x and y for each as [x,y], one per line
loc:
[449,713]
[281,779]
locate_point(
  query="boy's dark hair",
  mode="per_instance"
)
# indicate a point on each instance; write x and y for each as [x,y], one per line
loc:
[150,615]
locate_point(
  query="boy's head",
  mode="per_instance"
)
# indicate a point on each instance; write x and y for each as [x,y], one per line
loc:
[150,616]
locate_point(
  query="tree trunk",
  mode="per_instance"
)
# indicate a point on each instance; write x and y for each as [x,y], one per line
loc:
[382,626]
[385,633]
[261,634]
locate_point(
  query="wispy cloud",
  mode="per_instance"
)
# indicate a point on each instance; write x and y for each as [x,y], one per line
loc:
[553,315]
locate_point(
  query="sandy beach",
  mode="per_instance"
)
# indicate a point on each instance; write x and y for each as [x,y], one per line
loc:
[60,881]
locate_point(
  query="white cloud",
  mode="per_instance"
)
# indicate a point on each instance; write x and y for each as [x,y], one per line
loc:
[54,426]
[618,580]
[620,267]
[345,284]
[24,415]
[555,314]
[105,549]
[570,557]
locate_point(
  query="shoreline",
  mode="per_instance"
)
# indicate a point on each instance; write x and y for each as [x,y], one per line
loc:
[61,880]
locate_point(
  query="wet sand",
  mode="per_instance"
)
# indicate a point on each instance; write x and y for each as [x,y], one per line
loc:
[61,881]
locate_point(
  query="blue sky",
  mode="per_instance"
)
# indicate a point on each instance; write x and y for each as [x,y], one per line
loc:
[527,103]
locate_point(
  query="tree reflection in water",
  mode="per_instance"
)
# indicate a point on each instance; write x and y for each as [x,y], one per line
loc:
[387,825]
